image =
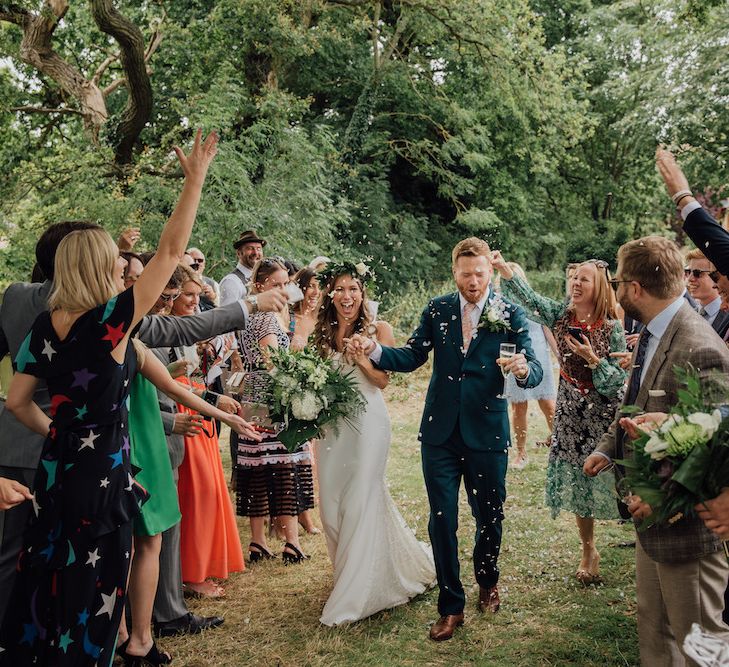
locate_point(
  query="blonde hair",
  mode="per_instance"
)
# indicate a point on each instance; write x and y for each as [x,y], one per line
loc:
[471,247]
[140,349]
[606,305]
[187,275]
[84,271]
[696,254]
[655,263]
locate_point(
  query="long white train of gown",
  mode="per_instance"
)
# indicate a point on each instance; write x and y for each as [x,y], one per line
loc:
[378,562]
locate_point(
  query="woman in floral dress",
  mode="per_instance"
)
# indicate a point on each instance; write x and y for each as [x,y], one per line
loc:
[591,386]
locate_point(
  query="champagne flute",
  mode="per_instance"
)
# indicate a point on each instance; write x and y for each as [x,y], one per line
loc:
[506,351]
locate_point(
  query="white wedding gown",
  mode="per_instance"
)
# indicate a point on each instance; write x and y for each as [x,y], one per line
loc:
[378,562]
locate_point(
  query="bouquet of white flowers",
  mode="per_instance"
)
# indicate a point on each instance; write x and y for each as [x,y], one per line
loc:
[684,461]
[307,394]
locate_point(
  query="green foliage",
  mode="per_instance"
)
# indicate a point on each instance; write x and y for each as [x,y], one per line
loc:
[391,129]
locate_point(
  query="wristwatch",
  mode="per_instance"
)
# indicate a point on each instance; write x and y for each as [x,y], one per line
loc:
[253,300]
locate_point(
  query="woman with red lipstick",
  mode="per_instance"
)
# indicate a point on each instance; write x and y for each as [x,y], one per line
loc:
[590,390]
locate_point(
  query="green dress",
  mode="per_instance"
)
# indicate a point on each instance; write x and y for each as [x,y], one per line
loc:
[587,402]
[149,454]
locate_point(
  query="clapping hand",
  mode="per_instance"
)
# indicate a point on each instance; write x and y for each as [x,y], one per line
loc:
[12,493]
[195,164]
[500,265]
[625,359]
[634,427]
[128,239]
[244,428]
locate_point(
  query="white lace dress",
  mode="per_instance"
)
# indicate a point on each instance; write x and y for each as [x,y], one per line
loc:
[378,562]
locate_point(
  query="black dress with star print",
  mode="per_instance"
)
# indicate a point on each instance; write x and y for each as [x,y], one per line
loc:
[69,593]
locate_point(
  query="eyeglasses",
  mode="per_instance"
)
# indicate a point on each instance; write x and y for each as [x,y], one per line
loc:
[199,260]
[615,283]
[696,273]
[715,275]
[167,298]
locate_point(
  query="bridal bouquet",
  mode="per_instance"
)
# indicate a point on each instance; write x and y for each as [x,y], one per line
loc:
[308,394]
[685,460]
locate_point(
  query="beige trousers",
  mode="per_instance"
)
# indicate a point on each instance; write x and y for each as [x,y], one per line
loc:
[672,596]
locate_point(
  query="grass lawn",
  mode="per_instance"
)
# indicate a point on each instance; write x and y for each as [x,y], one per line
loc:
[547,618]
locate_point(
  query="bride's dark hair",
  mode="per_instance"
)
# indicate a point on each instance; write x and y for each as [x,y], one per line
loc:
[325,329]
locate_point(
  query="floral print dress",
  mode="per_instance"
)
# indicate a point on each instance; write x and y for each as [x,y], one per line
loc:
[587,401]
[72,572]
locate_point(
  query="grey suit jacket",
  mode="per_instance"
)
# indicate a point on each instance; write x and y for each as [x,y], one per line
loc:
[689,339]
[21,305]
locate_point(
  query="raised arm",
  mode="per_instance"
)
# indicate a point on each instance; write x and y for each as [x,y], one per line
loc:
[176,233]
[156,372]
[20,403]
[538,308]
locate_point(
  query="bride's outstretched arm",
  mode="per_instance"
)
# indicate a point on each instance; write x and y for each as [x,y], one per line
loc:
[377,377]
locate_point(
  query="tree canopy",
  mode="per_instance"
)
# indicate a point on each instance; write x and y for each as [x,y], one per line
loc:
[384,129]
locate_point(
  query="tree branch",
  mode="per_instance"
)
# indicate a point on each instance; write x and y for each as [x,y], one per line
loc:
[32,109]
[139,104]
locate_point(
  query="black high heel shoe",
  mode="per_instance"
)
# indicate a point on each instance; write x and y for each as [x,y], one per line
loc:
[291,558]
[261,554]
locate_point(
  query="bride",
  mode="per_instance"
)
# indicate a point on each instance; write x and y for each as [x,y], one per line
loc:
[378,562]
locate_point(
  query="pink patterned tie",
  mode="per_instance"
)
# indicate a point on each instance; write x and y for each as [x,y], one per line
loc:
[467,324]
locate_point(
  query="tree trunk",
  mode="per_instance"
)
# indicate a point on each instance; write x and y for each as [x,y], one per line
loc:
[138,110]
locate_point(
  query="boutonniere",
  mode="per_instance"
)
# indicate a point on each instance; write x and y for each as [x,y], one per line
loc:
[495,316]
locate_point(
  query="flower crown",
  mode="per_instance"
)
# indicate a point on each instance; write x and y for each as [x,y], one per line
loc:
[358,270]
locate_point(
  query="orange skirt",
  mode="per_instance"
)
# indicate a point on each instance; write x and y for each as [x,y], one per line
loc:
[209,540]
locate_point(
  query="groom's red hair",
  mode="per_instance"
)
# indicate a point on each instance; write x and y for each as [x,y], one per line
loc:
[471,247]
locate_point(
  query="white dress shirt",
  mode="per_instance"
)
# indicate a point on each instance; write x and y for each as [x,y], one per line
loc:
[231,286]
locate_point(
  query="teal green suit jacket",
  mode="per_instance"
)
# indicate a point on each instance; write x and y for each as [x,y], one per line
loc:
[463,389]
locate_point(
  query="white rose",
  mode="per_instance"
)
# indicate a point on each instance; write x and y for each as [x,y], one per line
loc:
[362,268]
[709,423]
[656,447]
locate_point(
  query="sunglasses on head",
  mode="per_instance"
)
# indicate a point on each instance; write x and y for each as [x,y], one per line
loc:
[169,297]
[599,263]
[696,273]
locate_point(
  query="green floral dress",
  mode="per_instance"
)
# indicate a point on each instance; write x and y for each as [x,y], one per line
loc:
[587,401]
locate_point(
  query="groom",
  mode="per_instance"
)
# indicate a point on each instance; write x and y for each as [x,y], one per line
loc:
[465,426]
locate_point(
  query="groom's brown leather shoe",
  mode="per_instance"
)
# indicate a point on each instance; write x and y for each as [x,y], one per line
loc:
[445,626]
[488,599]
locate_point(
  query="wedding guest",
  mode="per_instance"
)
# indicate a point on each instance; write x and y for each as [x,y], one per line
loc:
[209,542]
[305,312]
[77,547]
[20,448]
[590,389]
[210,296]
[544,393]
[270,480]
[303,319]
[681,569]
[704,290]
[133,269]
[149,455]
[249,250]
